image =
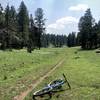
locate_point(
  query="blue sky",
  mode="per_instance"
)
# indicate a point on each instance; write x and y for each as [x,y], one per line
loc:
[62,15]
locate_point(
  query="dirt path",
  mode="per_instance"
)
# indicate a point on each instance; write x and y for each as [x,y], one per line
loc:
[25,93]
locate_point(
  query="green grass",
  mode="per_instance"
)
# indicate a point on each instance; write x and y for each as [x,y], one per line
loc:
[18,69]
[82,69]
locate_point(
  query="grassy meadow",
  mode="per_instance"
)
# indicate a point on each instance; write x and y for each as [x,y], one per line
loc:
[82,69]
[18,69]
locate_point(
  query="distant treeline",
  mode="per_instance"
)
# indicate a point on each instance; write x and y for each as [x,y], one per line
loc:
[53,40]
[18,30]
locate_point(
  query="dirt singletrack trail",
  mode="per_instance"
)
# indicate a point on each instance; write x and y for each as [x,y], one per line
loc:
[38,81]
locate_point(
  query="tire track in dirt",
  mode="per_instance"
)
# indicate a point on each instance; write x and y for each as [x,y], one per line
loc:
[36,83]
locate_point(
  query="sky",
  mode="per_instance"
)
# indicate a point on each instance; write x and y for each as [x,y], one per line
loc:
[62,15]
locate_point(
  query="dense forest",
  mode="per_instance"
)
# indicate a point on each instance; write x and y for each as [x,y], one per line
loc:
[18,29]
[89,31]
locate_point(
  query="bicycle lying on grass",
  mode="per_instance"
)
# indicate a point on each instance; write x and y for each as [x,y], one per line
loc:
[52,87]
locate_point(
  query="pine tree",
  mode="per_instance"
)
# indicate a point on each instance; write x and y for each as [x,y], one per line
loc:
[23,24]
[40,24]
[31,41]
[13,19]
[1,17]
[71,41]
[85,27]
[12,27]
[98,34]
[78,39]
[7,24]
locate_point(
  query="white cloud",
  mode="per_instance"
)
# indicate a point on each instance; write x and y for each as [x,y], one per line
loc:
[67,20]
[57,26]
[62,24]
[79,7]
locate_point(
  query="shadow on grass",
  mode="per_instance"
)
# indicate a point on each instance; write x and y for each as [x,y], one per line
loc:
[80,49]
[49,96]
